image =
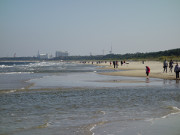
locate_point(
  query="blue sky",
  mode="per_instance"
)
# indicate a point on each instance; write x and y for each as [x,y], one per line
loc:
[82,27]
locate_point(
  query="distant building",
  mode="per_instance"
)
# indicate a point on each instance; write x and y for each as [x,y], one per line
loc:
[60,53]
[42,56]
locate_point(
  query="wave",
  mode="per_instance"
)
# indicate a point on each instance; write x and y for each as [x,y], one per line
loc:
[45,67]
[173,108]
[93,126]
[8,91]
[173,111]
[91,129]
[17,73]
[32,65]
[5,66]
[45,125]
[45,64]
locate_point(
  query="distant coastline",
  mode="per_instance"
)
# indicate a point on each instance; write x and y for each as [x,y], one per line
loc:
[158,56]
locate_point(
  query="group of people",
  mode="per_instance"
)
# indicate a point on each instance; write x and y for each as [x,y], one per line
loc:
[176,68]
[165,66]
[115,63]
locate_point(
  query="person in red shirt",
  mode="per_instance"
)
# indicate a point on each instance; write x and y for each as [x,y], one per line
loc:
[147,71]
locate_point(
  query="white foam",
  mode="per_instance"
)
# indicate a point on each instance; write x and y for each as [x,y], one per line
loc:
[10,91]
[103,112]
[45,64]
[170,114]
[5,66]
[174,108]
[163,117]
[91,129]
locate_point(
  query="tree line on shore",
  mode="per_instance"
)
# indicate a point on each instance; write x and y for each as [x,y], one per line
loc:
[160,55]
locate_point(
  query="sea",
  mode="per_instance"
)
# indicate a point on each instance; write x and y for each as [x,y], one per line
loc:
[71,98]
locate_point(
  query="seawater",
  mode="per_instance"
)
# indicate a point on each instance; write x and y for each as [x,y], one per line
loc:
[57,98]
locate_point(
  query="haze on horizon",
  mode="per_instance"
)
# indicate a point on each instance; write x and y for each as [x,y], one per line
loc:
[82,27]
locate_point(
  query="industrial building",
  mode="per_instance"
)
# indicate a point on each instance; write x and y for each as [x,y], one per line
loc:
[60,53]
[42,56]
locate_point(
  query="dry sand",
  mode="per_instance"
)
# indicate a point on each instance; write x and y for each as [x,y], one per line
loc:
[137,69]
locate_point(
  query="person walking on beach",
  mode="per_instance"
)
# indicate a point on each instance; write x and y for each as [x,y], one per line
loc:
[121,62]
[147,71]
[177,70]
[165,65]
[114,64]
[170,66]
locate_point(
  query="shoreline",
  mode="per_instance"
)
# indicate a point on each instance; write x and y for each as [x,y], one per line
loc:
[137,69]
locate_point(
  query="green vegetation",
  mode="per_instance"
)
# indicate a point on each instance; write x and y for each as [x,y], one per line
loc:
[161,55]
[173,54]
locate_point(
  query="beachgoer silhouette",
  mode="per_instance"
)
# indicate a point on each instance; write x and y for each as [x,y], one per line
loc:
[177,70]
[114,64]
[121,62]
[165,65]
[170,66]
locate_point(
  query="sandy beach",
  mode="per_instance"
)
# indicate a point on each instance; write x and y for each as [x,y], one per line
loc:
[137,69]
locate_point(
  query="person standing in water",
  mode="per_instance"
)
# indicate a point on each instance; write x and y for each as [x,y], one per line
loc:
[177,70]
[165,65]
[170,66]
[147,71]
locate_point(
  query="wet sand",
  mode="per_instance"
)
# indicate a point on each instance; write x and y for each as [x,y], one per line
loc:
[137,69]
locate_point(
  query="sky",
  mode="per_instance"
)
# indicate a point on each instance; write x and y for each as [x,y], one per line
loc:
[84,27]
